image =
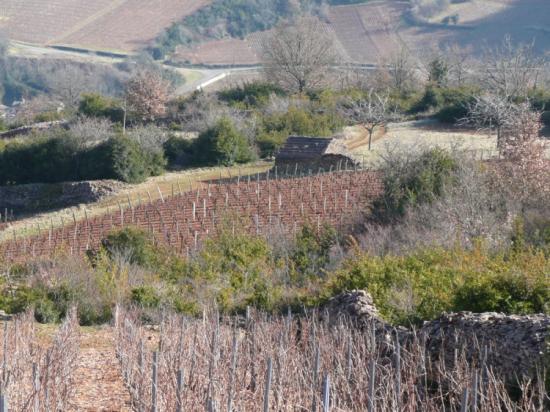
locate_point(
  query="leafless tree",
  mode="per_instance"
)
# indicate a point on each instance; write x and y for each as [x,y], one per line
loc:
[68,82]
[458,59]
[150,137]
[401,70]
[147,94]
[525,172]
[371,112]
[299,56]
[512,70]
[491,111]
[89,131]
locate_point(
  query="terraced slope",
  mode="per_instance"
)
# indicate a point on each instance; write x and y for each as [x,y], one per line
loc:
[184,220]
[125,25]
[371,32]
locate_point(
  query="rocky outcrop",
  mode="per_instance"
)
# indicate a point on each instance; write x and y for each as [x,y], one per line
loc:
[42,196]
[512,345]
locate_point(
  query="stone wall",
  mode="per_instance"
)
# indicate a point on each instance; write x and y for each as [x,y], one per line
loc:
[511,345]
[35,197]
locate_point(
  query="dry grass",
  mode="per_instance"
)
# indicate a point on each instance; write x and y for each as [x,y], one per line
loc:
[418,136]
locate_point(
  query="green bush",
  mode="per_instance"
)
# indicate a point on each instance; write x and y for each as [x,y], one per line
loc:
[178,151]
[146,297]
[251,94]
[310,254]
[48,116]
[62,158]
[46,160]
[431,99]
[96,105]
[408,182]
[455,103]
[223,144]
[134,243]
[422,285]
[123,159]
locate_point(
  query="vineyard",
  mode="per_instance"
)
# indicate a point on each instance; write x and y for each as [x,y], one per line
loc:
[184,220]
[301,364]
[38,377]
[126,25]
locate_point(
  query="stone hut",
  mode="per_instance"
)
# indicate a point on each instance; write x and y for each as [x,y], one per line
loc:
[313,153]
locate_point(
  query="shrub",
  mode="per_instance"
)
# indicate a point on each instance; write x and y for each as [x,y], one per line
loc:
[133,243]
[178,151]
[410,181]
[123,159]
[310,254]
[252,94]
[432,98]
[421,285]
[45,160]
[146,297]
[455,103]
[96,105]
[223,144]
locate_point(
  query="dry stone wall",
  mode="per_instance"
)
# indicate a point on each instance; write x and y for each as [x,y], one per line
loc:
[513,346]
[48,196]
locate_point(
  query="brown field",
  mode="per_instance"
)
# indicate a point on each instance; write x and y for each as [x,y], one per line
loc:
[364,33]
[126,25]
[369,33]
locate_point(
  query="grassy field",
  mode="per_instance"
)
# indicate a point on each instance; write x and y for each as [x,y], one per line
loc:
[417,136]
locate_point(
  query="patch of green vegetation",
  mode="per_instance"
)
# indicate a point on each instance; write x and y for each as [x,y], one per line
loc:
[421,180]
[234,18]
[422,285]
[61,158]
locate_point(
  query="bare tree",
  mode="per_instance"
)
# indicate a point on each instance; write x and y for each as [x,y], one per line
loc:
[511,70]
[524,175]
[147,94]
[371,112]
[89,131]
[458,60]
[491,111]
[298,56]
[68,82]
[401,70]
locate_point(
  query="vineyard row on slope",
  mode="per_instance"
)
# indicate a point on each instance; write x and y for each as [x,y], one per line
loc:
[185,220]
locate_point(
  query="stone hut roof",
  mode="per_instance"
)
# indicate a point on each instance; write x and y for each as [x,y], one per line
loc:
[309,148]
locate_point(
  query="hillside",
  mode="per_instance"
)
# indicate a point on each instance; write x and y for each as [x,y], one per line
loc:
[364,33]
[125,25]
[367,33]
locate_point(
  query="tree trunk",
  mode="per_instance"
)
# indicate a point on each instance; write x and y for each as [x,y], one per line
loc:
[370,137]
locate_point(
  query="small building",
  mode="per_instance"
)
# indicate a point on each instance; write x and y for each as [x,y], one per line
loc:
[311,154]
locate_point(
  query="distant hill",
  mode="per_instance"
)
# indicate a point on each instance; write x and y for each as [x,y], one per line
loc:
[120,25]
[365,32]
